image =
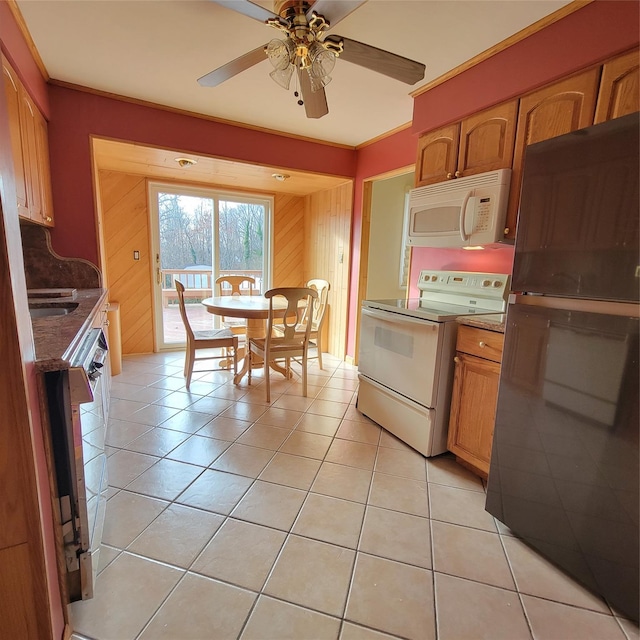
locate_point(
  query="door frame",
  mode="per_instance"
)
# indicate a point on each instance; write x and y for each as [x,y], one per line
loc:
[154,187]
[365,230]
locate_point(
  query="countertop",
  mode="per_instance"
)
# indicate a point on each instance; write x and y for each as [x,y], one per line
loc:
[489,321]
[56,338]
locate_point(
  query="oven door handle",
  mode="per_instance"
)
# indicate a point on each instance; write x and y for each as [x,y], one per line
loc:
[397,318]
[80,390]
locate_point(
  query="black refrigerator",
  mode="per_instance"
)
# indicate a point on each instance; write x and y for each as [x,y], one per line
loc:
[564,466]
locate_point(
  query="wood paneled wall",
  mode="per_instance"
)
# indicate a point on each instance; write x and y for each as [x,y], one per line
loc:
[311,240]
[126,228]
[123,201]
[327,242]
[288,241]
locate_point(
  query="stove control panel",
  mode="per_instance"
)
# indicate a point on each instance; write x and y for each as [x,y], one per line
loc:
[487,289]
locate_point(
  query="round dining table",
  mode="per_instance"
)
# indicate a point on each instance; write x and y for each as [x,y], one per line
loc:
[255,310]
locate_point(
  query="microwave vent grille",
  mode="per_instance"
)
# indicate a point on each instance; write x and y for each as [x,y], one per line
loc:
[488,179]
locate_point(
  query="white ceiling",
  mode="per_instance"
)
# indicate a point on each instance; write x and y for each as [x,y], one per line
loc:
[155,50]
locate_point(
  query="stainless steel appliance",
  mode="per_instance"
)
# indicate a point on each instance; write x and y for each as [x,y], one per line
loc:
[78,413]
[564,466]
[406,353]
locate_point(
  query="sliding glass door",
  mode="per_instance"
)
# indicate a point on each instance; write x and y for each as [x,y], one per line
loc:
[197,235]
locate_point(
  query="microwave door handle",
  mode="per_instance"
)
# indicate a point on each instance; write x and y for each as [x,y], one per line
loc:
[463,215]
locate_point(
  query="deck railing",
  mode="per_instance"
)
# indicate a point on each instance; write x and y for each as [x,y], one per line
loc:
[199,284]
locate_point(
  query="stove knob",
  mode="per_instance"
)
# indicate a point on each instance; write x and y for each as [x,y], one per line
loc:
[434,278]
[497,284]
[486,283]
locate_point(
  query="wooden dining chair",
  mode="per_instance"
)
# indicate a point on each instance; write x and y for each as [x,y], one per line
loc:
[232,285]
[209,339]
[290,343]
[319,308]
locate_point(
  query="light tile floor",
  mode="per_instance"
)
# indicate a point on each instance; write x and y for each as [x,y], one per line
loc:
[230,518]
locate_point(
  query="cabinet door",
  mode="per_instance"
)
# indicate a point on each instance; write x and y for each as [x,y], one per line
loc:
[552,111]
[437,155]
[28,112]
[13,96]
[487,140]
[473,410]
[619,88]
[43,168]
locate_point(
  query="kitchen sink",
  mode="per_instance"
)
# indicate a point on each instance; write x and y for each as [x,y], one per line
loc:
[58,310]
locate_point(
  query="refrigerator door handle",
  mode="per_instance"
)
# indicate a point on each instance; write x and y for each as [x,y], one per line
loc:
[626,309]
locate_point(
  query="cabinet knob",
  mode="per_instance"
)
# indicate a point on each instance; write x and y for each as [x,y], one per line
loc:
[482,344]
[457,174]
[449,175]
[48,218]
[456,359]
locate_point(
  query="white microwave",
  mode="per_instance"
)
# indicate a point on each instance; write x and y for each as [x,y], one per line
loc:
[461,212]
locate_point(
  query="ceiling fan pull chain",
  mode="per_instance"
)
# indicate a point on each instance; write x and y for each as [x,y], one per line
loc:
[296,91]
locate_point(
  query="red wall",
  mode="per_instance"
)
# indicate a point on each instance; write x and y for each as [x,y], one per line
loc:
[77,115]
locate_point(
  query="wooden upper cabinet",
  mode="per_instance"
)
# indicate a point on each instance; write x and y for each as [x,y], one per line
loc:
[487,140]
[30,150]
[619,87]
[482,142]
[549,112]
[41,133]
[437,155]
[13,96]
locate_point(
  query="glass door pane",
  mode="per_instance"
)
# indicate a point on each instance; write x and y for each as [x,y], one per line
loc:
[241,239]
[186,250]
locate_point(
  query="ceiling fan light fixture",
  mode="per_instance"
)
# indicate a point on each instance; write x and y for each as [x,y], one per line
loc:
[321,64]
[280,53]
[318,83]
[282,76]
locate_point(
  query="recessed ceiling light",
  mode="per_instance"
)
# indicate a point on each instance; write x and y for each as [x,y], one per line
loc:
[186,162]
[280,177]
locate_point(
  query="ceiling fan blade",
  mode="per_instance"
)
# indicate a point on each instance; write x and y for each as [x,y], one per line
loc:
[384,62]
[226,71]
[315,102]
[247,8]
[334,10]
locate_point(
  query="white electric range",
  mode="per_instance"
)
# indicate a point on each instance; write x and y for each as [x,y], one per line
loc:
[407,348]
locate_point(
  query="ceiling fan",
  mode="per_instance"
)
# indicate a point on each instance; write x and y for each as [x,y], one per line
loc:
[307,50]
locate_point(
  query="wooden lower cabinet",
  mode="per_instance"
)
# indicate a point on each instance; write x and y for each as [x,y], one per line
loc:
[474,397]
